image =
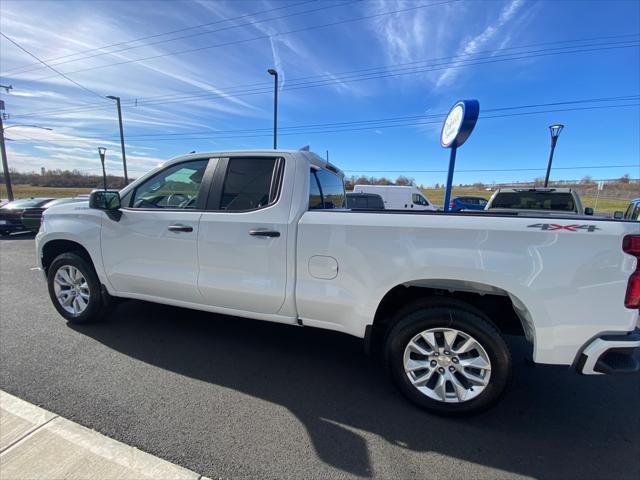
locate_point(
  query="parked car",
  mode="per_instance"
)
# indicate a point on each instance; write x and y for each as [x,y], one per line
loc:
[633,210]
[467,203]
[364,201]
[10,214]
[541,200]
[432,292]
[398,197]
[32,216]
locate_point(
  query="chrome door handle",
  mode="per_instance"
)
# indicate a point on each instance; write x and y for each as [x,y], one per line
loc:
[263,232]
[180,228]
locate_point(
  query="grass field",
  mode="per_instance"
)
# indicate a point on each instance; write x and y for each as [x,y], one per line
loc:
[605,205]
[26,191]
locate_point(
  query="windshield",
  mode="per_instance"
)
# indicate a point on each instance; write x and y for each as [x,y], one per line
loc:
[535,201]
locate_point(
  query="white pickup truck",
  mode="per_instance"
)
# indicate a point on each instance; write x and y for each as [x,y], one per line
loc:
[261,234]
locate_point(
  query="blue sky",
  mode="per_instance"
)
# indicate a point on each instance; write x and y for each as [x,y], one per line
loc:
[508,54]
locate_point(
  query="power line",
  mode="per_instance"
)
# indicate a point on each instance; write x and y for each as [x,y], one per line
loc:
[53,59]
[200,92]
[50,67]
[580,167]
[345,78]
[324,130]
[389,119]
[261,37]
[385,67]
[392,73]
[313,10]
[331,78]
[387,71]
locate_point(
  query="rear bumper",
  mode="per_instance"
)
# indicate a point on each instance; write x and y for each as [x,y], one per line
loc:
[609,354]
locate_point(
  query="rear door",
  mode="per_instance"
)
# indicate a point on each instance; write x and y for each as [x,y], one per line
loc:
[242,240]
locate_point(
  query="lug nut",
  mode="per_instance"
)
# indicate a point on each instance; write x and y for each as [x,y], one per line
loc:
[446,352]
[455,360]
[441,370]
[433,363]
[435,354]
[452,369]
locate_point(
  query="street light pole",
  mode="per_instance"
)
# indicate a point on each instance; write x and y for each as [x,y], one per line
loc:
[555,133]
[102,151]
[124,156]
[275,107]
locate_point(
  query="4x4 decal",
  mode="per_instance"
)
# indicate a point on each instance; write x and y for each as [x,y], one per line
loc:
[555,226]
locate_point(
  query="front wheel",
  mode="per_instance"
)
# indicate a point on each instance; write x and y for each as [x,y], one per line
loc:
[74,289]
[446,357]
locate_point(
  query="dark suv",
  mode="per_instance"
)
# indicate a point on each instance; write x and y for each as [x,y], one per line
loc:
[11,214]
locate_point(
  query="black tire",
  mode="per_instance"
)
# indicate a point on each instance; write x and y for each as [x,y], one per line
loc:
[96,307]
[4,233]
[448,313]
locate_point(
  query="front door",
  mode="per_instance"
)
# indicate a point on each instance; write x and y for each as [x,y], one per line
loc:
[152,249]
[242,240]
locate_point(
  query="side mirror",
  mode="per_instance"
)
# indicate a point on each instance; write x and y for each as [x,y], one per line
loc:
[618,215]
[108,200]
[588,211]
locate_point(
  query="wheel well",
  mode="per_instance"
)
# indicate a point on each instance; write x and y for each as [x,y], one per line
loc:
[56,247]
[498,307]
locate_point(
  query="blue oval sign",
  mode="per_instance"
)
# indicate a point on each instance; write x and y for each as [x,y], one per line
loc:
[459,123]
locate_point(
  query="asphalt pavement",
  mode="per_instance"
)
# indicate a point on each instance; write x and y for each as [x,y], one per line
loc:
[235,398]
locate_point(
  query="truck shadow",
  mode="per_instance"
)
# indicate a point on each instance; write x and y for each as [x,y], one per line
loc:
[553,423]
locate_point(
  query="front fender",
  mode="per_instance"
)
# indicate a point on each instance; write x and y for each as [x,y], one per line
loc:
[75,223]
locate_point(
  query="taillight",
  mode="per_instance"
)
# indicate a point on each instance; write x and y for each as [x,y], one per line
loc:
[452,204]
[631,245]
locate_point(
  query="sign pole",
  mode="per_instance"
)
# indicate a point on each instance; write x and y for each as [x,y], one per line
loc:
[452,165]
[455,130]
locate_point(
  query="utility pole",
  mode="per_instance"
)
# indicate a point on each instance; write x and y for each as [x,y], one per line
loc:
[273,72]
[3,149]
[124,156]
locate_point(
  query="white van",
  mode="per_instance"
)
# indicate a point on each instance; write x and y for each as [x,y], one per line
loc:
[398,198]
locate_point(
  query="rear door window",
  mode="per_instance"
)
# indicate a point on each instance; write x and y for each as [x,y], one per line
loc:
[250,184]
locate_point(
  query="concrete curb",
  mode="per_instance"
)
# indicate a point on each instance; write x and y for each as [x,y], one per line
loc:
[37,444]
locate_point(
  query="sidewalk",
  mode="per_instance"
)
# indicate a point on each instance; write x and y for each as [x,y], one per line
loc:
[37,444]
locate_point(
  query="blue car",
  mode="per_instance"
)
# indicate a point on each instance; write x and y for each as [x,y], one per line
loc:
[467,203]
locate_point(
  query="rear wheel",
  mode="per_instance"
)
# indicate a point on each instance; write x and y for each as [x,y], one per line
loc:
[74,289]
[446,357]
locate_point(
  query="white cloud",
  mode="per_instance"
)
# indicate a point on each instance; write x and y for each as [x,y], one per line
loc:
[491,31]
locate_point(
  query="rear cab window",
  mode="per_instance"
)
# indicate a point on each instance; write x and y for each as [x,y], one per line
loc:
[326,190]
[535,201]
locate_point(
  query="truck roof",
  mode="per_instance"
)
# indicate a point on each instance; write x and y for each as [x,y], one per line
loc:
[383,186]
[312,158]
[536,189]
